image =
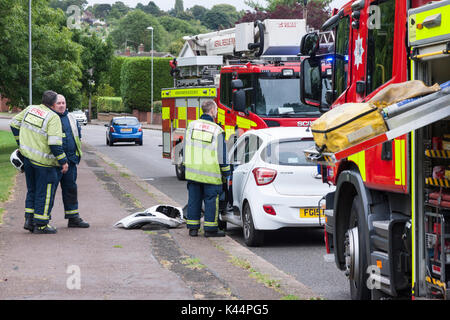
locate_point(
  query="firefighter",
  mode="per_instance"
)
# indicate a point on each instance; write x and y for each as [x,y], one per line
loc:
[38,133]
[205,168]
[72,148]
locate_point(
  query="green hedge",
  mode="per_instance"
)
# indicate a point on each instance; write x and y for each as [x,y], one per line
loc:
[111,104]
[116,67]
[157,106]
[135,81]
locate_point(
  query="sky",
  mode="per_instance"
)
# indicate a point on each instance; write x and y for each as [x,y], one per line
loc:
[169,4]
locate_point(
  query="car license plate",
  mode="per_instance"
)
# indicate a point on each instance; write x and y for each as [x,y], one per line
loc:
[126,130]
[309,212]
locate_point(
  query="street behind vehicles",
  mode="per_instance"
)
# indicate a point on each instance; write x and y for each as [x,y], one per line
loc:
[388,225]
[80,116]
[124,129]
[273,186]
[251,71]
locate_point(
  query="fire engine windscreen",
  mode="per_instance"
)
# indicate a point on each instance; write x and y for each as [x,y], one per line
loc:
[279,97]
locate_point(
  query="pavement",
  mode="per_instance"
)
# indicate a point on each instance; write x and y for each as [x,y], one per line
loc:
[108,263]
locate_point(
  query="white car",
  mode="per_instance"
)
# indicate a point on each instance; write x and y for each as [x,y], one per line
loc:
[273,186]
[80,116]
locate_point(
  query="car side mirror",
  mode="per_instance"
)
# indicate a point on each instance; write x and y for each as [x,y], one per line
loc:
[309,44]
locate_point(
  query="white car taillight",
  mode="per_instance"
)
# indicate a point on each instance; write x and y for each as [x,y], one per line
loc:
[264,176]
[269,209]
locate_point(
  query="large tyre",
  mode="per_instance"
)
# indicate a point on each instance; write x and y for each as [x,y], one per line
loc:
[180,172]
[252,237]
[355,253]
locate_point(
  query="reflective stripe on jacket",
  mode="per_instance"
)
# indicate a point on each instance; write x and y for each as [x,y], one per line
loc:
[201,152]
[76,136]
[40,127]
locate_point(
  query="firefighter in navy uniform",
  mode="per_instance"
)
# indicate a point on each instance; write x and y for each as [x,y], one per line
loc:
[72,148]
[205,168]
[38,133]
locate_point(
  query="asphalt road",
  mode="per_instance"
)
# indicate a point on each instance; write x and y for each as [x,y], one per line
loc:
[299,252]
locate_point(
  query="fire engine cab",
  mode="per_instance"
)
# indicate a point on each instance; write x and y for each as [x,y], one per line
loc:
[251,71]
[388,222]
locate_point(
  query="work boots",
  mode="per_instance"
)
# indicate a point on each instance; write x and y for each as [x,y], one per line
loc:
[77,223]
[44,229]
[218,233]
[29,224]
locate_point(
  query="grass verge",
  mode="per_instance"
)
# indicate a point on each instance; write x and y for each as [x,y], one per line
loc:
[7,171]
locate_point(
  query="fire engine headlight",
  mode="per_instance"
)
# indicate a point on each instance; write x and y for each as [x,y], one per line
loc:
[288,73]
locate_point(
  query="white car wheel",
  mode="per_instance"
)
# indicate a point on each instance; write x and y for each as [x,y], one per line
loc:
[252,237]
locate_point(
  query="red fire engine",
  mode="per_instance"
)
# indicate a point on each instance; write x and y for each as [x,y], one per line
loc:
[387,223]
[252,72]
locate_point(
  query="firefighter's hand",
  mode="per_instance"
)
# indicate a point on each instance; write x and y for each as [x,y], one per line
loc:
[65,167]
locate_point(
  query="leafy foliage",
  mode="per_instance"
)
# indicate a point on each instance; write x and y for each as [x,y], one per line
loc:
[56,58]
[317,11]
[132,29]
[95,54]
[111,104]
[135,81]
[114,75]
[221,16]
[64,4]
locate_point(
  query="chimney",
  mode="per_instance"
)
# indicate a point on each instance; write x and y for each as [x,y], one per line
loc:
[141,48]
[127,51]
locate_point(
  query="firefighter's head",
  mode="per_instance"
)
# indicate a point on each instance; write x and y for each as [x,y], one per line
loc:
[61,104]
[210,107]
[49,98]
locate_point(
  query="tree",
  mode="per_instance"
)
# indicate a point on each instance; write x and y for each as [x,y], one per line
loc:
[56,58]
[101,11]
[96,54]
[153,9]
[178,28]
[198,12]
[64,4]
[118,10]
[179,7]
[221,16]
[132,30]
[317,11]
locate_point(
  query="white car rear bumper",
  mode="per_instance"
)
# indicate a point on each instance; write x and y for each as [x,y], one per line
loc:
[287,209]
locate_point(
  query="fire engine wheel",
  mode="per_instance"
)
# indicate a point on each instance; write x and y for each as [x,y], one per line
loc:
[355,254]
[179,171]
[252,237]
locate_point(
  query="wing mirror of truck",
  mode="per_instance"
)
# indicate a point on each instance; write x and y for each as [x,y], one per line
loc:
[237,84]
[309,44]
[238,100]
[311,83]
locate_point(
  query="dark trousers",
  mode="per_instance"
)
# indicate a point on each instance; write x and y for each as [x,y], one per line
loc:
[41,188]
[209,194]
[69,191]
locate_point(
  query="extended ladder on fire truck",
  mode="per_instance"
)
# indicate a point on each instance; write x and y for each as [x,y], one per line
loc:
[400,119]
[261,41]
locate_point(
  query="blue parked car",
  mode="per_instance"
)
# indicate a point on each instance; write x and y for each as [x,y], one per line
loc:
[124,129]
